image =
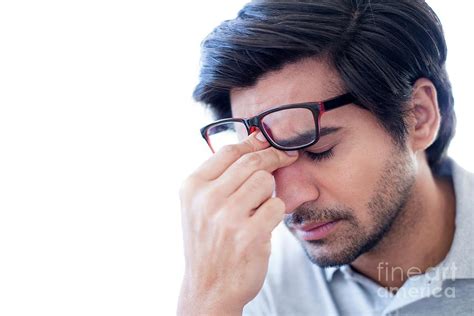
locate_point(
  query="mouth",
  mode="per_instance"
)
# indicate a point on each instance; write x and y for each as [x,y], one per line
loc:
[316,231]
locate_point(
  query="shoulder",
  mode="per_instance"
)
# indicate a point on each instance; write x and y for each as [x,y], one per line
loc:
[463,184]
[462,248]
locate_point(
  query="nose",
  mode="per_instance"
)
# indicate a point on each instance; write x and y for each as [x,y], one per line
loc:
[295,185]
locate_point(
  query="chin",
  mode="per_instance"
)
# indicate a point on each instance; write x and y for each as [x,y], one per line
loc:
[323,254]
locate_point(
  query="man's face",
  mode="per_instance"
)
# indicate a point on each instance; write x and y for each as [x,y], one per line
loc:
[355,192]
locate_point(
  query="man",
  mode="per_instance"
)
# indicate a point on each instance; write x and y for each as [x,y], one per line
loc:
[349,113]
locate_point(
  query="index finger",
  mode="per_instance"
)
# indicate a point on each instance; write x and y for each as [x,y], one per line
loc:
[269,159]
[227,155]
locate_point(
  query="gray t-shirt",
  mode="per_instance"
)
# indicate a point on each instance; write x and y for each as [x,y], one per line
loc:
[294,286]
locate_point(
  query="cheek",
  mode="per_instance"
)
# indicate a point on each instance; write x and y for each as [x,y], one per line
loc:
[352,177]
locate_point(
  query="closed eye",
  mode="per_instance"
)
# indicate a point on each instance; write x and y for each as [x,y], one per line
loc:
[320,156]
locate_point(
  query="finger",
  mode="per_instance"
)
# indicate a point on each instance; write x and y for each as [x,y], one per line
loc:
[256,190]
[227,155]
[268,215]
[269,159]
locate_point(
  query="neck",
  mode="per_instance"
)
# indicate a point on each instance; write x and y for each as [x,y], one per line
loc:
[420,237]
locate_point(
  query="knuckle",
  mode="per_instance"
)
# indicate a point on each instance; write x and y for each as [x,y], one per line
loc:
[206,204]
[187,186]
[215,190]
[200,202]
[217,218]
[251,144]
[230,150]
[243,238]
[232,227]
[228,228]
[260,181]
[280,156]
[251,160]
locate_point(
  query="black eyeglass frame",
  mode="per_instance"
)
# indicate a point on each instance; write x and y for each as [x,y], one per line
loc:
[317,108]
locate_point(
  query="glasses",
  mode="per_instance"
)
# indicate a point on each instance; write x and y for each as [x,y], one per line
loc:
[288,127]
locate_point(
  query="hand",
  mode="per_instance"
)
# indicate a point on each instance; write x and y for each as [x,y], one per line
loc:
[228,214]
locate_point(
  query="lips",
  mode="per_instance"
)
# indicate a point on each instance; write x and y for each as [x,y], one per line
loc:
[312,226]
[315,231]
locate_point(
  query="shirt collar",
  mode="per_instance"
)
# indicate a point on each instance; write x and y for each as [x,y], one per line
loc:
[461,255]
[344,269]
[329,272]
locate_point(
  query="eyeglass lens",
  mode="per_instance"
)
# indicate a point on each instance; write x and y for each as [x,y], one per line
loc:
[289,128]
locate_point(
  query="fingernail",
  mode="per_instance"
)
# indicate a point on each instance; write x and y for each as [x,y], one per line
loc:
[292,153]
[260,137]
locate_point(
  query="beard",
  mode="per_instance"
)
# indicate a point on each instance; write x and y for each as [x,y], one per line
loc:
[386,206]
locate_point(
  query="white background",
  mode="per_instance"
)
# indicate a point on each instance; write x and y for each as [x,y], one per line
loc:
[92,156]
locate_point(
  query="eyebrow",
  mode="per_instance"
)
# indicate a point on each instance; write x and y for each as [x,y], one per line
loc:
[306,137]
[324,131]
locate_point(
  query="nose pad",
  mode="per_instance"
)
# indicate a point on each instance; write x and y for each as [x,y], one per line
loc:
[253,129]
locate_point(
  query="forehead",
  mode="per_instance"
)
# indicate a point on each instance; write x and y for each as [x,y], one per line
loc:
[303,81]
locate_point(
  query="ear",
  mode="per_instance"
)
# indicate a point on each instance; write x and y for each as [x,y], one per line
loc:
[425,119]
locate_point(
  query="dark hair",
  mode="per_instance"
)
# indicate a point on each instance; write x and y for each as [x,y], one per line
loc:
[379,48]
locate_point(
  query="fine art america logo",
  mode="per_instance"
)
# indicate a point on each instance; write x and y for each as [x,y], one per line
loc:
[431,281]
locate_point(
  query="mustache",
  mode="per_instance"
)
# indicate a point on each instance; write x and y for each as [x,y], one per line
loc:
[307,213]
